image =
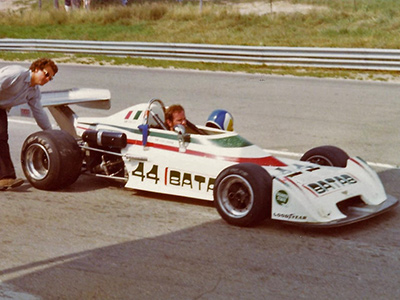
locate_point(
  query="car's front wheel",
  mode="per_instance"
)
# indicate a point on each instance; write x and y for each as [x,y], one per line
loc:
[51,159]
[326,156]
[242,194]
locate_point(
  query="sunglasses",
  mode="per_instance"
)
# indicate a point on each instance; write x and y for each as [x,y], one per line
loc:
[47,75]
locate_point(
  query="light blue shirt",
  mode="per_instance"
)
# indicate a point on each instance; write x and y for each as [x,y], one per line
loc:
[16,89]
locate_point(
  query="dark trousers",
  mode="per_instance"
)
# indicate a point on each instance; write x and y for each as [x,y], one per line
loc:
[6,166]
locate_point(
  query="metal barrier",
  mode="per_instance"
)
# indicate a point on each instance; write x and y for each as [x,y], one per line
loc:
[343,58]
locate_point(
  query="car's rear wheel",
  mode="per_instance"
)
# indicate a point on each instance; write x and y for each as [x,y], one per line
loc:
[326,156]
[51,159]
[242,194]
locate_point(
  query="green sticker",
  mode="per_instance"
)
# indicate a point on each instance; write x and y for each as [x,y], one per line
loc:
[282,197]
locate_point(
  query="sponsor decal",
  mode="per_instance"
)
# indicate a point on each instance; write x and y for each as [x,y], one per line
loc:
[290,216]
[137,115]
[174,177]
[41,141]
[128,116]
[25,112]
[330,184]
[282,197]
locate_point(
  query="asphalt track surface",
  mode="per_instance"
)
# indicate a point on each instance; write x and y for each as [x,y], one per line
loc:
[96,240]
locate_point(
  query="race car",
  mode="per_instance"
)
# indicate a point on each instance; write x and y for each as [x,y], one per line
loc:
[324,188]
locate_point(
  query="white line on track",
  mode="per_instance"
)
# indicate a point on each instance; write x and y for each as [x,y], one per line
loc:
[21,121]
[275,152]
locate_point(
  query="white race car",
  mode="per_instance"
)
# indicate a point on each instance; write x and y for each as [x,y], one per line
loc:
[247,184]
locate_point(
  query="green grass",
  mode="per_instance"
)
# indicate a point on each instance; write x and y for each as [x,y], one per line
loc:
[371,23]
[342,23]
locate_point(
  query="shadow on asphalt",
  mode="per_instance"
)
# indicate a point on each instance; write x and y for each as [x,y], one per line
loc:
[217,261]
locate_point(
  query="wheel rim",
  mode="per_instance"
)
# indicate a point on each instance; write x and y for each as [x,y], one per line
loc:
[37,161]
[235,196]
[320,160]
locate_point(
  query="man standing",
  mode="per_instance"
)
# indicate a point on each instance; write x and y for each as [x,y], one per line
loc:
[68,5]
[19,85]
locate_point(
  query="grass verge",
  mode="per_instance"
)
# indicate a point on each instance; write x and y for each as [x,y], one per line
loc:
[340,23]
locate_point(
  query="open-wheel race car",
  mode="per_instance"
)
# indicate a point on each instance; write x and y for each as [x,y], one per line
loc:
[324,188]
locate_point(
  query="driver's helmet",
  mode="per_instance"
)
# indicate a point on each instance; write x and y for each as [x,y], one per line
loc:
[220,119]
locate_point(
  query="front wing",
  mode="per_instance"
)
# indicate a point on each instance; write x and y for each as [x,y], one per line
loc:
[356,214]
[327,196]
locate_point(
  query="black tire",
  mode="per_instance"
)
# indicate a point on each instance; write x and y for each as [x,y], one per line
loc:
[51,159]
[326,156]
[243,193]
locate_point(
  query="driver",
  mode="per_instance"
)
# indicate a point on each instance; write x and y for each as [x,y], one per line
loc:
[175,115]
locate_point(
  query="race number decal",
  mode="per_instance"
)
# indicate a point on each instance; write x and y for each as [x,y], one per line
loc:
[174,177]
[151,175]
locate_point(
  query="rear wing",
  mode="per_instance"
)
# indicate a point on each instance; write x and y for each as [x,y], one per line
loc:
[90,98]
[58,104]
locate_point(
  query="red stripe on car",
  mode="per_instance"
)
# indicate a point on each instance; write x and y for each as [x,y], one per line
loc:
[262,161]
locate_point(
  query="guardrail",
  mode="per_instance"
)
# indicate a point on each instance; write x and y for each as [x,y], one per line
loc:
[343,58]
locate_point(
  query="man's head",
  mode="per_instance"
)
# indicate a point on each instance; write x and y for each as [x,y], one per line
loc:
[175,115]
[43,70]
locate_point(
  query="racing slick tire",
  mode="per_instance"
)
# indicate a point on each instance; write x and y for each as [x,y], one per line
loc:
[242,194]
[51,159]
[326,156]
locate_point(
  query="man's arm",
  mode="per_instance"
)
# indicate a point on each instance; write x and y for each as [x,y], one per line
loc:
[39,113]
